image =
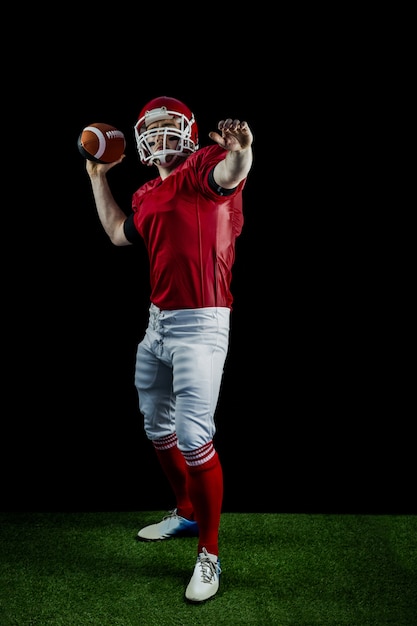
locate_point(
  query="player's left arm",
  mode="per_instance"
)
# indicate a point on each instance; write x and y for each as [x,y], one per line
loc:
[236,137]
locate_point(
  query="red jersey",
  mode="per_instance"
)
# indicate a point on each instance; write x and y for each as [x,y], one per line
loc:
[190,232]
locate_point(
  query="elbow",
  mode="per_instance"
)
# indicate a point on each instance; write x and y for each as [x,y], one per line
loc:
[117,238]
[119,241]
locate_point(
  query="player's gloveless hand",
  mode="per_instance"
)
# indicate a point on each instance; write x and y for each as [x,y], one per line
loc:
[235,135]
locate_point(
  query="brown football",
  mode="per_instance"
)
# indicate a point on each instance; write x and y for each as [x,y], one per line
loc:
[102,143]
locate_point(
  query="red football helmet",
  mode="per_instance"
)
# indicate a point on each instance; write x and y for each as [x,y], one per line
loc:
[164,108]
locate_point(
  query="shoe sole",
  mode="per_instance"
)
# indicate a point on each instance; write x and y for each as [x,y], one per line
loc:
[202,601]
[183,535]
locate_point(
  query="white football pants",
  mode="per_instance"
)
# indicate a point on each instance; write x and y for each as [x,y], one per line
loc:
[179,369]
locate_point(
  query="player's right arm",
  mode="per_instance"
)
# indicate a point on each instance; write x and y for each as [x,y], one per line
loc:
[110,214]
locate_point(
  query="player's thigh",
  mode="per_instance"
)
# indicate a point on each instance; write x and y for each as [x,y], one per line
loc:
[198,371]
[153,381]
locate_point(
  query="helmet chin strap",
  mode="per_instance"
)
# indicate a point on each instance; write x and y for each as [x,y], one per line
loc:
[166,160]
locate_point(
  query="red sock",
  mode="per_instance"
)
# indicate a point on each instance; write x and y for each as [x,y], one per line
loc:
[173,464]
[205,486]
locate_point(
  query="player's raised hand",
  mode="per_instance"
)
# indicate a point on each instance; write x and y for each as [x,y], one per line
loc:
[97,169]
[235,135]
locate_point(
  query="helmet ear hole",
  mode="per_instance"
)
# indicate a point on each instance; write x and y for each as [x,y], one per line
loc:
[165,108]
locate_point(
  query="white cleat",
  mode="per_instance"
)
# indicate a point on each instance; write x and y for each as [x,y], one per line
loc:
[204,583]
[172,525]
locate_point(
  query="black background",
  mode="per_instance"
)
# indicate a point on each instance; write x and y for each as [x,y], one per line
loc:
[314,414]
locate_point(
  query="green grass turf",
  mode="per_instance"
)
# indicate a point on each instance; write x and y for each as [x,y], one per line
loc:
[87,569]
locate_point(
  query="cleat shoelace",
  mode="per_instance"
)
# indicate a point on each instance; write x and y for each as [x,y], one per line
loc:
[171,515]
[208,568]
